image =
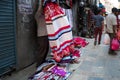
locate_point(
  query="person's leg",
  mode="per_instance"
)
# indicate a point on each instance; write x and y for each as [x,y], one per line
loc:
[96,33]
[43,48]
[110,50]
[100,34]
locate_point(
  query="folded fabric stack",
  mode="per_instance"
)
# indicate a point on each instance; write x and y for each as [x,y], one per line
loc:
[50,71]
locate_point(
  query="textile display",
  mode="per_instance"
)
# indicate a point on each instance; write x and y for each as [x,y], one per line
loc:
[78,41]
[59,31]
[51,71]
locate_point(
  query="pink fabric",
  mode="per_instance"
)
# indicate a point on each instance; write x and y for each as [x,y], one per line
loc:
[80,42]
[58,71]
[115,44]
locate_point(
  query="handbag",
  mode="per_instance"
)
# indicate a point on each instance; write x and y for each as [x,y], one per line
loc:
[115,44]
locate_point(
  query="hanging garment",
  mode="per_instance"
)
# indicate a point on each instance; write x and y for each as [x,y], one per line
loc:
[59,31]
[68,13]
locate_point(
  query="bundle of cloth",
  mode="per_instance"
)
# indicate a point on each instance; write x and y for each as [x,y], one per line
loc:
[80,42]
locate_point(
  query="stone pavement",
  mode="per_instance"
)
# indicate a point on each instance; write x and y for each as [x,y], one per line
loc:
[95,64]
[22,74]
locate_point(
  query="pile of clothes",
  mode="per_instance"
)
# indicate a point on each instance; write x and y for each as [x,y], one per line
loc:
[53,70]
[50,70]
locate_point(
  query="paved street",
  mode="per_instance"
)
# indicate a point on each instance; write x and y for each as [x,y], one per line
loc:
[95,64]
[22,74]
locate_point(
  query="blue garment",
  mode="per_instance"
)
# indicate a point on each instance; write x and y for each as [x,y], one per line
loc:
[98,20]
[101,5]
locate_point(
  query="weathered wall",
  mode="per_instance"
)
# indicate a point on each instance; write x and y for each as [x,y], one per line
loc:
[26,32]
[75,15]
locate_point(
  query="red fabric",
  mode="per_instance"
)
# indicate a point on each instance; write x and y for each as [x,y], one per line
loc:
[59,44]
[76,53]
[55,10]
[63,28]
[71,3]
[80,42]
[103,10]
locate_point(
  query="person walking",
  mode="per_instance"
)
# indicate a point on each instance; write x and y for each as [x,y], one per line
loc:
[98,24]
[42,36]
[111,22]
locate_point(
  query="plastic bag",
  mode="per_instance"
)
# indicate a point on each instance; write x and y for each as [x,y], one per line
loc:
[106,39]
[115,44]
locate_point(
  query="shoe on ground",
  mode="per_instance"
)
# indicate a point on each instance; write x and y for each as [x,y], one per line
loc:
[98,43]
[112,53]
[95,43]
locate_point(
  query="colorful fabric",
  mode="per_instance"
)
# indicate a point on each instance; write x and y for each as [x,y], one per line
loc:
[58,28]
[78,41]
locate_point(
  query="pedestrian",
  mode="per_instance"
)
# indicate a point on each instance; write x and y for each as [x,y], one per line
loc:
[42,36]
[111,22]
[104,30]
[98,24]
